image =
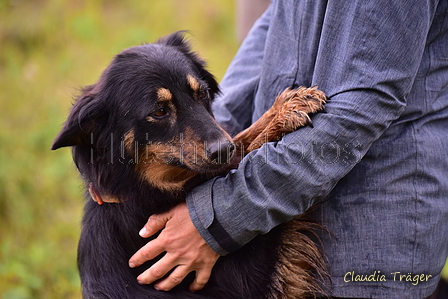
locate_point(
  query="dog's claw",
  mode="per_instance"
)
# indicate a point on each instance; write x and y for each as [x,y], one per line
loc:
[309,122]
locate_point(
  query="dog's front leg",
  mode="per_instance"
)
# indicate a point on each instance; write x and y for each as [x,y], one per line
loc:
[290,111]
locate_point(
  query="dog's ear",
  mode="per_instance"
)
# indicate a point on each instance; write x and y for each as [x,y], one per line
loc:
[82,120]
[177,39]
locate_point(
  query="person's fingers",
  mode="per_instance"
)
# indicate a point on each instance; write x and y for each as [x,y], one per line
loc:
[148,252]
[175,278]
[201,279]
[186,251]
[155,223]
[158,270]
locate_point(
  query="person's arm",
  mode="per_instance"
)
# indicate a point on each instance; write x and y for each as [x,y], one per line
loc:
[233,109]
[366,63]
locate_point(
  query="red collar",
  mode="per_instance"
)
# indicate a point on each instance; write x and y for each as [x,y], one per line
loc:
[98,199]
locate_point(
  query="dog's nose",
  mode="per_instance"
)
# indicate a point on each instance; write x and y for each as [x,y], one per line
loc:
[220,151]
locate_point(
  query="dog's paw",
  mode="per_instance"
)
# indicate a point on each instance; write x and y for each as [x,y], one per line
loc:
[296,107]
[291,110]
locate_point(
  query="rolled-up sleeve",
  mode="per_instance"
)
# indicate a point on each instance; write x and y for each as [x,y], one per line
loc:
[366,61]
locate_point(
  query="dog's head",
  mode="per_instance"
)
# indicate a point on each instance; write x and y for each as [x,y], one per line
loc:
[150,113]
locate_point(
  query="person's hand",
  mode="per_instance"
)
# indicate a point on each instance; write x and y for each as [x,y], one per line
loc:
[186,251]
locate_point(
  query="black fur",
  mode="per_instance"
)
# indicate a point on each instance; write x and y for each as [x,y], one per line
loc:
[118,103]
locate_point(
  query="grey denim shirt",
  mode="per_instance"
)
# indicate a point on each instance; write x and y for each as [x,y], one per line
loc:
[376,162]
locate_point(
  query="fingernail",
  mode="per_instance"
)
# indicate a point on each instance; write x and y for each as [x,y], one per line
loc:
[131,265]
[142,232]
[156,287]
[140,282]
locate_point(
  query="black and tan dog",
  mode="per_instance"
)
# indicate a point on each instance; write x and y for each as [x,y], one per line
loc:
[144,134]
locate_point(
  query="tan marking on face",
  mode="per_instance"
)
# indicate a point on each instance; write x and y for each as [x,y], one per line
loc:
[194,84]
[154,169]
[155,160]
[166,177]
[194,150]
[165,99]
[164,95]
[128,142]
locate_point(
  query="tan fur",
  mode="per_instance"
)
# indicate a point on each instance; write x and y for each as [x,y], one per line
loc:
[166,177]
[300,262]
[164,95]
[128,142]
[289,112]
[187,148]
[194,84]
[165,98]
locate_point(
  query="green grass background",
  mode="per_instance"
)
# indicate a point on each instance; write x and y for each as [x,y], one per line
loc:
[48,50]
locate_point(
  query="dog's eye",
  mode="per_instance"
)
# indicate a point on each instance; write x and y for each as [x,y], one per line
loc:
[161,112]
[204,94]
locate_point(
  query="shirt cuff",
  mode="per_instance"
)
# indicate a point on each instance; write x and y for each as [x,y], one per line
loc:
[200,206]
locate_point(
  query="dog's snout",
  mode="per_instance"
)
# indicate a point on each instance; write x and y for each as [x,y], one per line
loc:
[220,151]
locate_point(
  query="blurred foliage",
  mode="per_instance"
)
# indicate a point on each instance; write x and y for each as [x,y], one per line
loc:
[48,50]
